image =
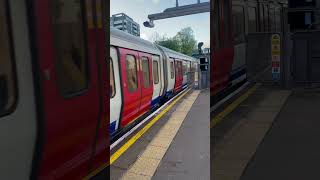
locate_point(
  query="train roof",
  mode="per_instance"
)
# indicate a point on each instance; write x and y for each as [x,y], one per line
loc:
[126,40]
[174,54]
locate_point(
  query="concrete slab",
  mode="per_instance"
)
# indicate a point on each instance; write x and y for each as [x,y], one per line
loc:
[291,148]
[188,156]
[242,132]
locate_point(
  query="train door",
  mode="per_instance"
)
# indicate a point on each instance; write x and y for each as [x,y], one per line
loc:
[179,76]
[185,73]
[171,76]
[156,80]
[66,49]
[223,48]
[146,81]
[115,91]
[239,34]
[18,119]
[131,85]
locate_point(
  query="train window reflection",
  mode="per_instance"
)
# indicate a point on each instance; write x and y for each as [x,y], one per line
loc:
[7,80]
[145,71]
[112,83]
[252,22]
[155,72]
[238,24]
[272,19]
[171,70]
[69,43]
[131,69]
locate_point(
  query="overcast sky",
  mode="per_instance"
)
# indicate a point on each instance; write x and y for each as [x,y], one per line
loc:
[139,10]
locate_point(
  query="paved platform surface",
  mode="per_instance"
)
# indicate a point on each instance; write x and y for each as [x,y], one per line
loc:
[291,148]
[186,157]
[235,139]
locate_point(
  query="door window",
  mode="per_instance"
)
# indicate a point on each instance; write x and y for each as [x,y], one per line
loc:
[155,72]
[145,71]
[238,24]
[171,70]
[8,90]
[252,22]
[112,82]
[131,69]
[69,43]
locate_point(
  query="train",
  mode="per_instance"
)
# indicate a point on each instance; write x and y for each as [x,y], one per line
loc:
[232,21]
[53,84]
[143,76]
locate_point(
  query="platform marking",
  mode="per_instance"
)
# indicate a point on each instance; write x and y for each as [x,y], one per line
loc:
[213,108]
[131,141]
[149,160]
[218,118]
[118,141]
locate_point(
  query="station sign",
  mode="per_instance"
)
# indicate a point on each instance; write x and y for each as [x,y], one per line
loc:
[275,56]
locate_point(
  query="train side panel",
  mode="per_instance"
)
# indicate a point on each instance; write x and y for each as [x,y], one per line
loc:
[157,80]
[171,76]
[115,90]
[18,113]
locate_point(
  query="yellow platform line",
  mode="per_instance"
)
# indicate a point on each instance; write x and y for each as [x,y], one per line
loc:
[129,143]
[218,118]
[148,162]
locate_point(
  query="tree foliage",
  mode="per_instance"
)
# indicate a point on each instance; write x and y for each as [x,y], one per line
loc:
[184,41]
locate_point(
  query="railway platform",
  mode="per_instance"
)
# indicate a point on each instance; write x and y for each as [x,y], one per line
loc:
[267,133]
[175,145]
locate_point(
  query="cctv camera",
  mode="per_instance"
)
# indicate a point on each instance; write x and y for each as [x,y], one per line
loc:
[148,24]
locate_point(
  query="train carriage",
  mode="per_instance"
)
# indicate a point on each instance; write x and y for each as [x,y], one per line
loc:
[52,97]
[232,21]
[143,76]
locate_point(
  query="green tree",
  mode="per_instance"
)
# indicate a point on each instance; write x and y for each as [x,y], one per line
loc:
[171,43]
[187,41]
[183,42]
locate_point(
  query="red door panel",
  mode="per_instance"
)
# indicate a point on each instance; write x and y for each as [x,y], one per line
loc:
[146,92]
[131,85]
[179,76]
[65,49]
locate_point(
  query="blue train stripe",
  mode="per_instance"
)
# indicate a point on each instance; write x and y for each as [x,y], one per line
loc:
[237,73]
[155,101]
[113,127]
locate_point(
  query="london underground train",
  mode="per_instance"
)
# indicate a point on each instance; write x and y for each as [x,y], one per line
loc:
[53,90]
[232,21]
[142,76]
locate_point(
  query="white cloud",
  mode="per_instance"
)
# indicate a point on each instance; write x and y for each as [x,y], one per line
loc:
[156,1]
[144,36]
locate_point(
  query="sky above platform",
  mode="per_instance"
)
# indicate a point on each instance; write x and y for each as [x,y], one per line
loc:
[139,10]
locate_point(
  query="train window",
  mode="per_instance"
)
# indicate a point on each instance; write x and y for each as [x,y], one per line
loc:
[272,23]
[252,22]
[227,23]
[278,19]
[7,76]
[171,70]
[112,83]
[215,28]
[131,69]
[155,70]
[238,24]
[145,71]
[69,42]
[261,18]
[266,18]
